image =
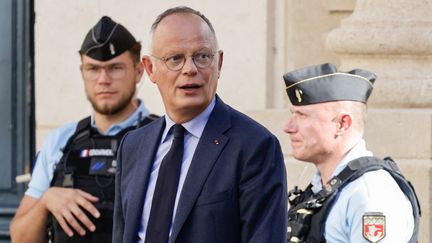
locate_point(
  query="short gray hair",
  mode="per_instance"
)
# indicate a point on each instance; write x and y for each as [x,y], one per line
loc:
[181,10]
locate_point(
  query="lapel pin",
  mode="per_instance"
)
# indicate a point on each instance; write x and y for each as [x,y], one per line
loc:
[216,142]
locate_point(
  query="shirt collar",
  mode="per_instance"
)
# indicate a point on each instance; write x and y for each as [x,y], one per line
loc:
[195,126]
[139,114]
[359,150]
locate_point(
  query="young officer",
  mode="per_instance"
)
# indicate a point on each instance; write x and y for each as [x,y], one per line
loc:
[72,186]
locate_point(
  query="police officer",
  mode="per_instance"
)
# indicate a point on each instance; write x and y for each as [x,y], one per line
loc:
[354,197]
[72,185]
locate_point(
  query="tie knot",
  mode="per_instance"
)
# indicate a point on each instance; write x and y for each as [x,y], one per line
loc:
[178,131]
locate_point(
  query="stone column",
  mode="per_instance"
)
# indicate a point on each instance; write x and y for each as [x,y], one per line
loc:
[393,38]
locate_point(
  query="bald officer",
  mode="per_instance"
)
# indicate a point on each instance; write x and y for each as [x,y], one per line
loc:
[354,197]
[72,186]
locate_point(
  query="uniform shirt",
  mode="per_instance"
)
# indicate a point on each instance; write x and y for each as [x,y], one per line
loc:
[374,191]
[194,129]
[51,153]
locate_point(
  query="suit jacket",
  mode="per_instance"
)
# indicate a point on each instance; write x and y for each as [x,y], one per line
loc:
[235,189]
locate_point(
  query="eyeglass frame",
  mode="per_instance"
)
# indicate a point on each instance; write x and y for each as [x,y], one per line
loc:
[106,68]
[165,59]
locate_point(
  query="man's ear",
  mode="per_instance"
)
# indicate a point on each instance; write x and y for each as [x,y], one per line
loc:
[148,66]
[139,69]
[81,70]
[343,123]
[220,61]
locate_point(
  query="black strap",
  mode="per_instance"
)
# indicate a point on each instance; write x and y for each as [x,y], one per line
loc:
[82,131]
[358,167]
[148,119]
[354,170]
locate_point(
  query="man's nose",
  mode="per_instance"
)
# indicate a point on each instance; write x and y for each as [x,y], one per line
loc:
[189,67]
[289,126]
[103,76]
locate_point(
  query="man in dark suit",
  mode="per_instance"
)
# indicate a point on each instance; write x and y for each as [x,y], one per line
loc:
[230,184]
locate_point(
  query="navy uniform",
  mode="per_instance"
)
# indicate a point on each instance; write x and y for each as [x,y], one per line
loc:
[367,199]
[77,155]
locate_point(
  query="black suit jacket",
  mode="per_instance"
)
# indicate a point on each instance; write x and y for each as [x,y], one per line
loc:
[235,189]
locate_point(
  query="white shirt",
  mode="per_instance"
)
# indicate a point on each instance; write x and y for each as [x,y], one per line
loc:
[194,129]
[374,191]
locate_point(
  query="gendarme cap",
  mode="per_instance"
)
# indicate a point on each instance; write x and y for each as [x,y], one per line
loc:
[106,40]
[324,83]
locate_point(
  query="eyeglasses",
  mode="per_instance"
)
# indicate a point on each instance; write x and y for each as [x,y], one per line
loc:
[113,71]
[176,62]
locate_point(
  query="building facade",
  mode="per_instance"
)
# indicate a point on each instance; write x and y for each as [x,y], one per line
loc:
[261,41]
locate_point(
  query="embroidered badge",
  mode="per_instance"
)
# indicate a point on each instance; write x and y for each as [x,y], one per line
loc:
[112,49]
[298,93]
[374,226]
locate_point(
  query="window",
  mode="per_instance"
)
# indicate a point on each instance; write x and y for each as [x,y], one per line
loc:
[16,104]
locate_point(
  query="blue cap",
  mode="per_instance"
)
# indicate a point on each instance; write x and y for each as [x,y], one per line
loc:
[324,83]
[106,40]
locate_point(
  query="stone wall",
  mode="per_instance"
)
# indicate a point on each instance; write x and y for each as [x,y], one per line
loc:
[393,39]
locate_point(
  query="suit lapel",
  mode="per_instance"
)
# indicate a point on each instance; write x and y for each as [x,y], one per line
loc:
[149,142]
[209,147]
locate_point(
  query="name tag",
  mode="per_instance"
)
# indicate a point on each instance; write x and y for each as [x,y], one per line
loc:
[96,152]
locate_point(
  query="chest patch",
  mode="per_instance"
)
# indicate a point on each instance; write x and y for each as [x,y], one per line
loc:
[96,152]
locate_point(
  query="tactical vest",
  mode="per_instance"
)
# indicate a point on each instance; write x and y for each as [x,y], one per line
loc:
[308,211]
[89,163]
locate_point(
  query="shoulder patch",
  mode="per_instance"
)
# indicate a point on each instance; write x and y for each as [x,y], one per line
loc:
[374,224]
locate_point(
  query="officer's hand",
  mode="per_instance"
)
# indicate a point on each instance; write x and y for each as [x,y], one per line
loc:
[67,204]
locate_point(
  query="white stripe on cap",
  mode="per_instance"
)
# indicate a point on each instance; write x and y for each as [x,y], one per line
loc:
[100,44]
[328,75]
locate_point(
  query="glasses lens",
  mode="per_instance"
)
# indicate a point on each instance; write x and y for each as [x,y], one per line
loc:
[203,60]
[116,71]
[175,62]
[91,72]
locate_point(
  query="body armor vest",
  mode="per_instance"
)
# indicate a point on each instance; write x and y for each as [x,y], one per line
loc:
[308,211]
[89,163]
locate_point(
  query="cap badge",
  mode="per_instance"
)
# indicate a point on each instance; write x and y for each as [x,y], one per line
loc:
[298,93]
[112,50]
[374,226]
